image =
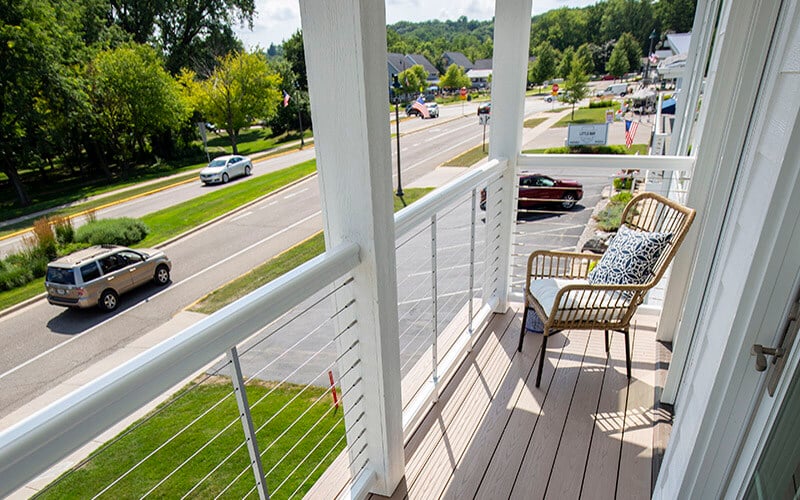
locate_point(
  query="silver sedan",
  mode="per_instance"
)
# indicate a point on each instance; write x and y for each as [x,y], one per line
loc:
[225,168]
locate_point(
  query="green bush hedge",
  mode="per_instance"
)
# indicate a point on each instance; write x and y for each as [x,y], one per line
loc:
[605,103]
[610,218]
[621,183]
[614,149]
[122,231]
[21,268]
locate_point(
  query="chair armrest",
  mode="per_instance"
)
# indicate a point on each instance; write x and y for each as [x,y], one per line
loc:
[553,264]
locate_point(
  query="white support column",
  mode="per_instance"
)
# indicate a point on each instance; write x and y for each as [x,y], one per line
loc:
[512,27]
[345,51]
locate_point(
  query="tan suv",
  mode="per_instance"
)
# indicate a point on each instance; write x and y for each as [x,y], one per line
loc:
[100,274]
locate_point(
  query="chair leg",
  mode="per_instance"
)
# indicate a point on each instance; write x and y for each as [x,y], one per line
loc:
[627,353]
[522,329]
[608,345]
[541,358]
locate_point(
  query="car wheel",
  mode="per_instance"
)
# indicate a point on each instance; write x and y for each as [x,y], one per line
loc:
[247,170]
[161,276]
[109,300]
[568,201]
[225,178]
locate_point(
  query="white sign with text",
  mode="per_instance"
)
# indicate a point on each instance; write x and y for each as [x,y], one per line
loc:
[587,135]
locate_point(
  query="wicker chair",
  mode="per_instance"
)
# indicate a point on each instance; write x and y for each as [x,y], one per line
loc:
[558,290]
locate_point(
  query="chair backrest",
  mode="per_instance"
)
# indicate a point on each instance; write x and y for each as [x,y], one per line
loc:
[652,212]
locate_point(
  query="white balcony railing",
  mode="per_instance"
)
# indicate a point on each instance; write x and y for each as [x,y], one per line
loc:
[442,301]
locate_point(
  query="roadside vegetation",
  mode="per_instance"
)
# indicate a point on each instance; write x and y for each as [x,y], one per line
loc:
[469,158]
[613,149]
[610,218]
[281,264]
[587,115]
[533,122]
[307,421]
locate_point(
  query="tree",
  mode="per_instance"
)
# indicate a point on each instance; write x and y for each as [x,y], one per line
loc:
[618,62]
[413,79]
[190,33]
[286,117]
[628,16]
[294,52]
[575,88]
[39,44]
[454,78]
[675,15]
[243,88]
[132,96]
[544,68]
[632,50]
[583,57]
[565,64]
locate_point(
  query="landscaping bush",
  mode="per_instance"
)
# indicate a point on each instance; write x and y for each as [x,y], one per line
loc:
[21,268]
[610,218]
[122,231]
[623,197]
[614,149]
[65,233]
[621,183]
[43,238]
[605,103]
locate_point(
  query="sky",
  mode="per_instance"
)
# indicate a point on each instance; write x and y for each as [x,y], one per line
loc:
[277,20]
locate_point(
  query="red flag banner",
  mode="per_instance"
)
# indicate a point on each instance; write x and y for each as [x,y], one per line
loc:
[630,132]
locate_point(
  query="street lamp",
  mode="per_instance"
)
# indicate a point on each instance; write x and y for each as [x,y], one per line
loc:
[653,37]
[396,89]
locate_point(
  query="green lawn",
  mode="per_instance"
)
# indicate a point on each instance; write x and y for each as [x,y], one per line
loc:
[469,158]
[533,122]
[14,296]
[583,116]
[252,141]
[281,264]
[325,427]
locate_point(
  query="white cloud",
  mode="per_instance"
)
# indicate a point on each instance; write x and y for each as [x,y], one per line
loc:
[277,20]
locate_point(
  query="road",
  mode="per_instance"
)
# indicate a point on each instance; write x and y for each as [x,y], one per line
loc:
[42,345]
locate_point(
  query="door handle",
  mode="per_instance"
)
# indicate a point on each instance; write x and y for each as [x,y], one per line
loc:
[761,353]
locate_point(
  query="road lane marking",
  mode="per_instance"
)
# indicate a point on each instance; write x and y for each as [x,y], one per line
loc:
[171,287]
[242,216]
[292,195]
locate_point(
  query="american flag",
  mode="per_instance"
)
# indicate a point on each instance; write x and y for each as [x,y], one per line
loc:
[653,58]
[630,132]
[420,106]
[285,98]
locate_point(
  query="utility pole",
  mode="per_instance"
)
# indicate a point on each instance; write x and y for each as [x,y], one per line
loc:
[396,88]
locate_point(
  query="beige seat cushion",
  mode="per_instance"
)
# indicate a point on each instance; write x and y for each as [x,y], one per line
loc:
[579,305]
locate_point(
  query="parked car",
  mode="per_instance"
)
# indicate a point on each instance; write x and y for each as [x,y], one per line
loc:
[485,108]
[98,275]
[225,168]
[537,189]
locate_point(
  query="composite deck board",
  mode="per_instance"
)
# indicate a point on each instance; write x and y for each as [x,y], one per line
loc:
[577,435]
[600,475]
[637,443]
[586,433]
[498,480]
[534,472]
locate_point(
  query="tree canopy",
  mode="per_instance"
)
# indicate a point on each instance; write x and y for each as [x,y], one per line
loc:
[454,78]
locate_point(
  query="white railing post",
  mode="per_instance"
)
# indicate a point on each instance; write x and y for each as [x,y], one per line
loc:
[240,392]
[512,27]
[345,52]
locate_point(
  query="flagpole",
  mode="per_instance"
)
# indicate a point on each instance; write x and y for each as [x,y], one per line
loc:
[299,118]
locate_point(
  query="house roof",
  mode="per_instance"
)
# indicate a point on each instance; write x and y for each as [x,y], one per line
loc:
[397,62]
[679,42]
[479,73]
[458,58]
[483,64]
[424,62]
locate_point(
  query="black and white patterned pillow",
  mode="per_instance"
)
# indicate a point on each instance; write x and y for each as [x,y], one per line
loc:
[630,258]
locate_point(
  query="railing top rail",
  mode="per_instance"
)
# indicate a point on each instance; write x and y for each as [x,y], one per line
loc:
[31,446]
[620,162]
[408,218]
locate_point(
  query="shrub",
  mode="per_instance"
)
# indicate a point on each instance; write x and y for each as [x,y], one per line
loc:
[65,233]
[122,231]
[605,103]
[42,238]
[621,183]
[623,197]
[21,268]
[614,149]
[610,218]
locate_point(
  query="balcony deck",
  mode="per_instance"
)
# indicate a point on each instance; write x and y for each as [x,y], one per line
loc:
[587,432]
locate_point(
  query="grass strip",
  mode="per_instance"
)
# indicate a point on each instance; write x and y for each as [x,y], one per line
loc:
[280,264]
[175,220]
[584,116]
[469,158]
[110,462]
[14,296]
[533,122]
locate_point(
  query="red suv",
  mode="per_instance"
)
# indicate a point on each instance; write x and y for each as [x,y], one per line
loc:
[537,189]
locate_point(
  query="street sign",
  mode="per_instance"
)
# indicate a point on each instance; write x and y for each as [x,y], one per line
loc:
[555,89]
[587,135]
[483,119]
[463,93]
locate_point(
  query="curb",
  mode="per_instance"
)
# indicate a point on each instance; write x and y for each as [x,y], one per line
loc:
[33,300]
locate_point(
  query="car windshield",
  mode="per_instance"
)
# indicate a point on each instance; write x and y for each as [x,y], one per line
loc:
[60,276]
[217,163]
